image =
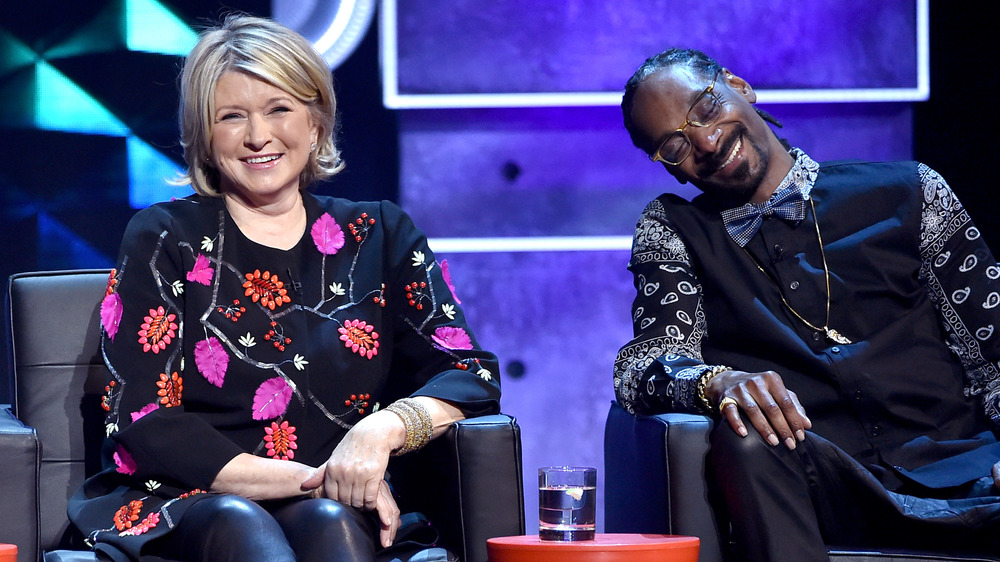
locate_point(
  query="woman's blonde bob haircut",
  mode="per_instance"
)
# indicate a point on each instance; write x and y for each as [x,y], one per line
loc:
[270,52]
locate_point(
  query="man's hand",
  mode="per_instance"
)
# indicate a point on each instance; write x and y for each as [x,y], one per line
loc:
[996,475]
[773,410]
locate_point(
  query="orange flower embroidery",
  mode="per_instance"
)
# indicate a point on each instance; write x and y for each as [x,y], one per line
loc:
[280,441]
[112,282]
[360,337]
[171,389]
[157,330]
[266,288]
[141,527]
[126,514]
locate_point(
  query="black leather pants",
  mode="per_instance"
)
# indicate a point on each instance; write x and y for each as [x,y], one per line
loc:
[232,528]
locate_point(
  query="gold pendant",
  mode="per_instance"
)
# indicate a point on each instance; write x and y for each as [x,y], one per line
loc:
[835,337]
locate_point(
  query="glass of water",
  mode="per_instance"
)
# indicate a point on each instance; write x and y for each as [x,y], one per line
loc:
[567,503]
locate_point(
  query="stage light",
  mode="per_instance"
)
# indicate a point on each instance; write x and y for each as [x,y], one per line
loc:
[335,27]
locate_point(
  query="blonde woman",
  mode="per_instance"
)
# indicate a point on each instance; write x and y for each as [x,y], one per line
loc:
[269,349]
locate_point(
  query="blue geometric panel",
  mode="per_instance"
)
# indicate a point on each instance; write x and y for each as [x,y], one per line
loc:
[152,28]
[61,105]
[149,173]
[14,54]
[60,248]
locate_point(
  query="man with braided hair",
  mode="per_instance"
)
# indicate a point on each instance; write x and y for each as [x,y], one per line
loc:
[837,319]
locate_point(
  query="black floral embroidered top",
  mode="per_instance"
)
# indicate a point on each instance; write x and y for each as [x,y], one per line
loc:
[218,345]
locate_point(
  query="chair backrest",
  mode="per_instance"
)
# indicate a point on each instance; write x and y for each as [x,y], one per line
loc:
[58,378]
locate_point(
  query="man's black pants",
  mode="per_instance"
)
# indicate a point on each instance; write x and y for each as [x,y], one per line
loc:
[794,504]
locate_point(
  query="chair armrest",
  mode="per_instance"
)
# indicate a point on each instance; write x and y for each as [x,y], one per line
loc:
[19,466]
[654,477]
[468,482]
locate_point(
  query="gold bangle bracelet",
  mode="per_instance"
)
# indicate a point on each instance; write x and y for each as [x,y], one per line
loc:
[702,387]
[417,421]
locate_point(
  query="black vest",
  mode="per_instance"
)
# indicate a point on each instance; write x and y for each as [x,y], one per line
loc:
[895,397]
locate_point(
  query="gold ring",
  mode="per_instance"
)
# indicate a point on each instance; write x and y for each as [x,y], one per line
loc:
[725,402]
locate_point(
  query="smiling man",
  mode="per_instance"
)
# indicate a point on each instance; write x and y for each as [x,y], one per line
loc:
[837,319]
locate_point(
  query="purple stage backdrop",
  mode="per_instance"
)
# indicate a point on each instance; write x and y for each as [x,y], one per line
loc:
[525,46]
[482,178]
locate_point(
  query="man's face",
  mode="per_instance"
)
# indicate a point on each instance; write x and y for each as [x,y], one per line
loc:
[733,158]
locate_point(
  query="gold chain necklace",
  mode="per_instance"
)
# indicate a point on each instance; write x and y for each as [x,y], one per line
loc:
[831,334]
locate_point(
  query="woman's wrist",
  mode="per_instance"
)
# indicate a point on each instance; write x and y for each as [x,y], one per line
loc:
[417,423]
[387,426]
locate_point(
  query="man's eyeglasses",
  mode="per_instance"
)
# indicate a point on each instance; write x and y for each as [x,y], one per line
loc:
[704,112]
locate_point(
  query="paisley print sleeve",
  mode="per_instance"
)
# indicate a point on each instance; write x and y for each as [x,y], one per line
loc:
[963,280]
[658,370]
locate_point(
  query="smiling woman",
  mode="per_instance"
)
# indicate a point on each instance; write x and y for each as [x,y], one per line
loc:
[260,400]
[250,71]
[262,139]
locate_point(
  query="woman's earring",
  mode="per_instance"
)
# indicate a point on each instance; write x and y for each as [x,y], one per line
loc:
[312,148]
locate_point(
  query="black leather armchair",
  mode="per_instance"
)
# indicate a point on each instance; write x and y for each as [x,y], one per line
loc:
[468,482]
[654,482]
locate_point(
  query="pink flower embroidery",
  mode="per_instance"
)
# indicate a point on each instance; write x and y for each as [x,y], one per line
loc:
[271,399]
[202,271]
[124,461]
[157,330]
[360,337]
[327,235]
[452,338]
[446,273]
[111,314]
[211,360]
[280,441]
[152,406]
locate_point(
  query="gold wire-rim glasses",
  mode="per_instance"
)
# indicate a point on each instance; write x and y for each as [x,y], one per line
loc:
[711,117]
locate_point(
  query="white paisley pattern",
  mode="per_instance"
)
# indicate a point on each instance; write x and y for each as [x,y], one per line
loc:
[949,242]
[667,313]
[957,270]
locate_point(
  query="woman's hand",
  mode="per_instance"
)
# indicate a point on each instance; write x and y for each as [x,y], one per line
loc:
[354,474]
[260,478]
[388,514]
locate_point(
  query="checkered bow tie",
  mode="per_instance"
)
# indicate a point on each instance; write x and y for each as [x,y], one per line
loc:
[742,223]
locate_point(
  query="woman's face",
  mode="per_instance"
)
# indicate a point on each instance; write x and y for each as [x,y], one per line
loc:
[261,138]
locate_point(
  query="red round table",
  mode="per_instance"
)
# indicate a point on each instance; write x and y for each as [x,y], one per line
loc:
[606,547]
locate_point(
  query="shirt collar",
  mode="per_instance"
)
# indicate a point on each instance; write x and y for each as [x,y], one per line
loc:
[801,177]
